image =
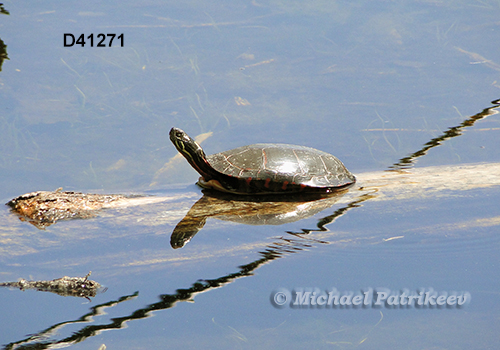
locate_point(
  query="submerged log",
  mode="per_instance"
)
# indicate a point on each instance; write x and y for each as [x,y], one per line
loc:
[44,208]
[66,286]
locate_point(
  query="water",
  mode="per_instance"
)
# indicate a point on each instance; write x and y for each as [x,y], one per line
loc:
[369,82]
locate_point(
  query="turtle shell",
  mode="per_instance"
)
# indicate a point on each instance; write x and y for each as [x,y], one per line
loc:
[277,168]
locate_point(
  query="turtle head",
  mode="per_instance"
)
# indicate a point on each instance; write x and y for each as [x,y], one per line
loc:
[189,148]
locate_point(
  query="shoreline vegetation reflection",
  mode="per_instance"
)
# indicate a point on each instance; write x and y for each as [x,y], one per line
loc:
[294,242]
[3,47]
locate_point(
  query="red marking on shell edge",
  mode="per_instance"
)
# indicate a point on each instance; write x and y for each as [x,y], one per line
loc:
[248,180]
[285,183]
[266,184]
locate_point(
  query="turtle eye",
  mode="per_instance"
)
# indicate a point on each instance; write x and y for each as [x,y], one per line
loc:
[181,136]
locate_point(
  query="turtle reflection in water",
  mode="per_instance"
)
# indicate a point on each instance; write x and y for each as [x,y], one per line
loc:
[264,168]
[250,210]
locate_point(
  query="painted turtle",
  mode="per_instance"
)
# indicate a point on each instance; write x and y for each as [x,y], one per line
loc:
[264,168]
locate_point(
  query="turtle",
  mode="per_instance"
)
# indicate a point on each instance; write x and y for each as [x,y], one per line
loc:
[265,168]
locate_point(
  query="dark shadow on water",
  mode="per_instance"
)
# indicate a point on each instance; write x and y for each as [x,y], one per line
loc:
[39,340]
[223,208]
[409,161]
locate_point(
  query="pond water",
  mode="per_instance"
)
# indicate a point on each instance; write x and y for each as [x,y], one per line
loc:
[369,81]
